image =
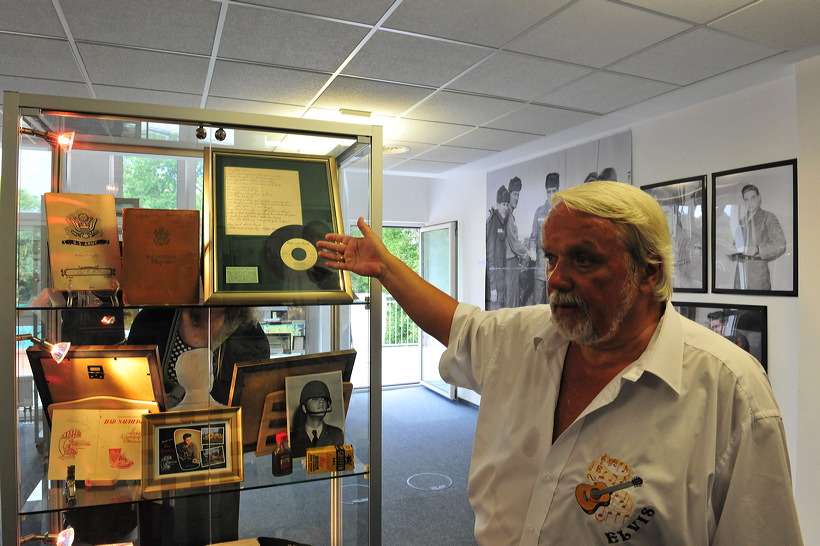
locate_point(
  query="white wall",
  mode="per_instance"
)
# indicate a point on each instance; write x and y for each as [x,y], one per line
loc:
[406,200]
[754,126]
[805,321]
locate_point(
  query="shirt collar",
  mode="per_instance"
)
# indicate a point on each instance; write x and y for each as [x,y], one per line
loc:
[662,357]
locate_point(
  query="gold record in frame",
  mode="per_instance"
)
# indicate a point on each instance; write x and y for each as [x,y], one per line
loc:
[264,214]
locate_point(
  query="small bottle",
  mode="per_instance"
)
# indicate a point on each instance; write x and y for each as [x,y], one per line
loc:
[282,461]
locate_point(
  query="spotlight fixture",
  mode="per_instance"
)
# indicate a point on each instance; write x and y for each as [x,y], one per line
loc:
[63,140]
[220,134]
[63,538]
[58,350]
[201,133]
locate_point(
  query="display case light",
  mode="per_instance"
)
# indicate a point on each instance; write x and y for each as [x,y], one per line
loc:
[63,538]
[63,140]
[58,350]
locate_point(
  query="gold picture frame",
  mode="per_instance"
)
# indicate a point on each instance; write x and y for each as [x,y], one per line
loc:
[169,461]
[264,213]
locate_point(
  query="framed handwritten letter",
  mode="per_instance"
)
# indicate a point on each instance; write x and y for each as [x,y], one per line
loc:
[264,213]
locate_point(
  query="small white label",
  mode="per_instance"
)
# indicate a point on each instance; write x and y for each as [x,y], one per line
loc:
[242,275]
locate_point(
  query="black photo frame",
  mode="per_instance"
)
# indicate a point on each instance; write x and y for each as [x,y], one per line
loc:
[684,203]
[757,254]
[744,325]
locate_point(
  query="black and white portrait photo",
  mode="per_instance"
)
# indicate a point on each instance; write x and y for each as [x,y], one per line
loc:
[683,203]
[755,230]
[743,325]
[316,416]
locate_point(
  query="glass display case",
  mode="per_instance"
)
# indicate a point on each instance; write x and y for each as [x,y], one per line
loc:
[109,377]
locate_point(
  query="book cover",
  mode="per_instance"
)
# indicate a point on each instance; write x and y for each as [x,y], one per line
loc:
[101,444]
[83,244]
[160,256]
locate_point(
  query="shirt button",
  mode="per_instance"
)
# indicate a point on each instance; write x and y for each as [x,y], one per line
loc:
[547,478]
[531,530]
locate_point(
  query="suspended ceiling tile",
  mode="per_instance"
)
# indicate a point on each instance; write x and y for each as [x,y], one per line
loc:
[697,11]
[461,108]
[187,26]
[426,167]
[147,96]
[785,25]
[253,107]
[411,59]
[265,83]
[369,11]
[540,120]
[596,33]
[44,87]
[144,69]
[694,56]
[454,154]
[414,148]
[605,92]
[517,76]
[492,139]
[30,57]
[38,17]
[371,96]
[429,132]
[287,39]
[389,163]
[488,22]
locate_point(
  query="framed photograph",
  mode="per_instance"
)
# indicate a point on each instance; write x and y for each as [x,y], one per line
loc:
[191,448]
[316,416]
[99,377]
[264,213]
[254,381]
[743,325]
[683,201]
[754,230]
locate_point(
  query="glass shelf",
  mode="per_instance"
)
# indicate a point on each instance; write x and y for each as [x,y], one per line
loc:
[125,492]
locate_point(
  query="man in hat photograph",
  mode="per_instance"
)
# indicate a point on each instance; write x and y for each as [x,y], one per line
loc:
[496,245]
[517,252]
[539,289]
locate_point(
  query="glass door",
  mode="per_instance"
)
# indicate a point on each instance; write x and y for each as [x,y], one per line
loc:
[438,267]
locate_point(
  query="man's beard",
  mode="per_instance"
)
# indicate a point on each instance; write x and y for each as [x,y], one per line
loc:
[582,330]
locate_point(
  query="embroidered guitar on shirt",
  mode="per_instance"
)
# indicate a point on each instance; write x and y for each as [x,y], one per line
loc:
[592,497]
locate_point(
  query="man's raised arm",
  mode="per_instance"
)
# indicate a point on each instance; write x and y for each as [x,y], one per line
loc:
[425,304]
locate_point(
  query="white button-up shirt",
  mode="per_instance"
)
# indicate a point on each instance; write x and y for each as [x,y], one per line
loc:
[693,421]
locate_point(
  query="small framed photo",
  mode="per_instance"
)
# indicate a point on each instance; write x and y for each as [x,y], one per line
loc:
[316,414]
[264,214]
[743,325]
[754,230]
[684,203]
[191,449]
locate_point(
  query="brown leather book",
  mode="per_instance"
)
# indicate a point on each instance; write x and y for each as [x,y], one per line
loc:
[160,256]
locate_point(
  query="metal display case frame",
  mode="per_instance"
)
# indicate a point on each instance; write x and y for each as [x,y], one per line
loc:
[19,110]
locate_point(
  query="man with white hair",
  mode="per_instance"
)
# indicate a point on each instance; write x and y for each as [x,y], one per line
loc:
[605,417]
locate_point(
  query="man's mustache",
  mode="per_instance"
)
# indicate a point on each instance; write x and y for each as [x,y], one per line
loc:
[569,299]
